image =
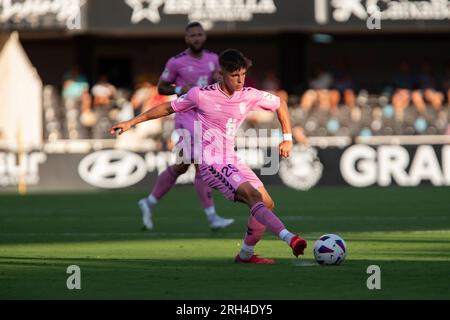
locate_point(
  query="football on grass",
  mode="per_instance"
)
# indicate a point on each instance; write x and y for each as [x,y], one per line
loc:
[330,249]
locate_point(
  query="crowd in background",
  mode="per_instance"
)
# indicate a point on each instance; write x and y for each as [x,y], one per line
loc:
[414,101]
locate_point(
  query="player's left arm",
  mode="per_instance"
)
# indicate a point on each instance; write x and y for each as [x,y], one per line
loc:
[286,145]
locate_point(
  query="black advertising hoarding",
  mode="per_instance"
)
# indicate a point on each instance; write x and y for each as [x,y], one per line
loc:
[357,165]
[154,17]
[240,16]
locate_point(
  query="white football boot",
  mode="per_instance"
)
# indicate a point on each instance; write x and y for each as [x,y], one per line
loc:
[220,223]
[146,214]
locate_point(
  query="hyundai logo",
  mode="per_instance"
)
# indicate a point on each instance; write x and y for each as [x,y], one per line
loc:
[112,169]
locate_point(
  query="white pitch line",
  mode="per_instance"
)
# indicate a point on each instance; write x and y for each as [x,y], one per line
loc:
[302,263]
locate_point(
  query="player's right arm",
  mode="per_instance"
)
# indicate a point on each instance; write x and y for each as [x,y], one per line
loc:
[185,102]
[159,111]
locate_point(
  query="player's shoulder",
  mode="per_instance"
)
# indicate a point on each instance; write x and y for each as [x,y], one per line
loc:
[210,53]
[176,61]
[211,87]
[254,91]
[178,58]
[250,90]
[179,55]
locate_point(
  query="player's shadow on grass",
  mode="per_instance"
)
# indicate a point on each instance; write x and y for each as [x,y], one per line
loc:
[220,278]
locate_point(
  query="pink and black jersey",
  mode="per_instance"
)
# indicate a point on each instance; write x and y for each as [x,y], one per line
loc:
[221,115]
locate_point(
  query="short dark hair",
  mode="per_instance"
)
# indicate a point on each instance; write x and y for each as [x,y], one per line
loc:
[193,24]
[231,60]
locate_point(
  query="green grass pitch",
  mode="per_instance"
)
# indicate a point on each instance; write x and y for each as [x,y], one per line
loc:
[405,231]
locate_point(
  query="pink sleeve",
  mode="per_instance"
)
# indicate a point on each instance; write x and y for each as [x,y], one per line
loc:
[263,100]
[187,101]
[170,71]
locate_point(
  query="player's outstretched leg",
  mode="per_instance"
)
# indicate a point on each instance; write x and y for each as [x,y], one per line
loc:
[248,194]
[204,193]
[166,180]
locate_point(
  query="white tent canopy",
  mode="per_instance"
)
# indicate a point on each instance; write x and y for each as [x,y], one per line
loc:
[20,97]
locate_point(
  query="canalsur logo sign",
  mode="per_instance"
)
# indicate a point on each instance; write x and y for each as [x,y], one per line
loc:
[207,11]
[343,10]
[32,12]
[13,167]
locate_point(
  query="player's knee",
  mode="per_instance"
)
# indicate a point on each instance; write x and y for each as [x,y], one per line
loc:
[269,204]
[254,195]
[249,195]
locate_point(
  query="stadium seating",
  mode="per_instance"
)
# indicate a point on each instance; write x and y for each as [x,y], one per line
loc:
[373,115]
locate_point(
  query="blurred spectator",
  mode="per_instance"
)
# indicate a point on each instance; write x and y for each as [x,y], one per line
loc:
[103,92]
[319,90]
[262,119]
[403,83]
[146,94]
[446,83]
[322,79]
[345,87]
[426,90]
[299,135]
[75,94]
[145,97]
[272,84]
[76,86]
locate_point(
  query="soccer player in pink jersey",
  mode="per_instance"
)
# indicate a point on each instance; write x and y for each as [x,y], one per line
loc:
[194,66]
[221,108]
